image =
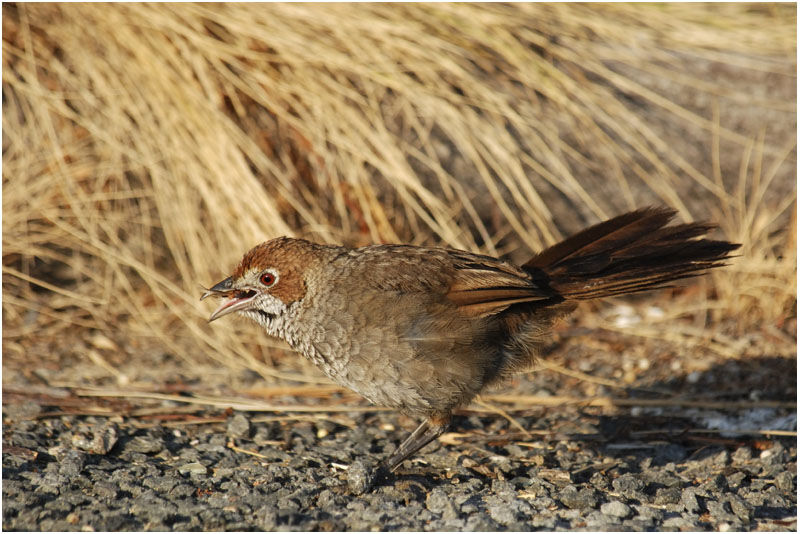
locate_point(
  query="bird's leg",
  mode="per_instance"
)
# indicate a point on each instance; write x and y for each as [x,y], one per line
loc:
[427,431]
[360,481]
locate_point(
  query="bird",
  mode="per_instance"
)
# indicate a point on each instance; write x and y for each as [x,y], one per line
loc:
[424,330]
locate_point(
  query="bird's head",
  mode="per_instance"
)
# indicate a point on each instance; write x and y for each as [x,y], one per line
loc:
[270,278]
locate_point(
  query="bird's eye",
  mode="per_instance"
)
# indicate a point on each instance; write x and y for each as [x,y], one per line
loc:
[267,279]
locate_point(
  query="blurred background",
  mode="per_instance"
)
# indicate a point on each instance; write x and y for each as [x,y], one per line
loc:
[147,147]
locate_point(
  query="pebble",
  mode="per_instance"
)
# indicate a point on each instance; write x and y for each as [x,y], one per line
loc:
[599,481]
[648,514]
[616,509]
[502,513]
[104,439]
[155,479]
[775,455]
[359,477]
[678,523]
[716,484]
[72,463]
[737,479]
[742,455]
[239,426]
[667,496]
[689,500]
[785,481]
[440,503]
[571,497]
[629,486]
[719,510]
[193,468]
[721,458]
[144,445]
[740,508]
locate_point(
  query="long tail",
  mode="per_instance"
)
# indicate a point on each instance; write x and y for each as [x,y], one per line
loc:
[633,252]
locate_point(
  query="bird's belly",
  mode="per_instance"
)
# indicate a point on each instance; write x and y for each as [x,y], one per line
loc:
[416,362]
[403,377]
[383,379]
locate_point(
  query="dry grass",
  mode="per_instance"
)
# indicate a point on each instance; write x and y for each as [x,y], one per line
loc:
[146,147]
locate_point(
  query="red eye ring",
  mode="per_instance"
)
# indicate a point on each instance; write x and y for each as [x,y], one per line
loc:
[267,279]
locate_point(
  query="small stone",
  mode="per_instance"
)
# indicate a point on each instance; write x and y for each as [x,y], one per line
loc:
[287,503]
[596,520]
[193,468]
[616,509]
[663,479]
[737,479]
[438,502]
[677,523]
[106,489]
[721,458]
[502,486]
[775,456]
[224,472]
[667,496]
[689,500]
[144,445]
[720,510]
[741,508]
[629,486]
[72,463]
[539,522]
[239,426]
[742,455]
[785,481]
[326,499]
[668,453]
[105,437]
[267,518]
[163,484]
[648,514]
[480,523]
[81,440]
[577,500]
[359,478]
[502,513]
[599,481]
[716,484]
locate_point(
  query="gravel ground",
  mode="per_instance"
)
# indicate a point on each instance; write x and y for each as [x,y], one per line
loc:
[87,473]
[155,464]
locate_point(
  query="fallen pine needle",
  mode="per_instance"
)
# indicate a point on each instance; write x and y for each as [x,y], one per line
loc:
[233,447]
[188,422]
[552,366]
[610,402]
[243,405]
[733,431]
[502,413]
[520,402]
[296,391]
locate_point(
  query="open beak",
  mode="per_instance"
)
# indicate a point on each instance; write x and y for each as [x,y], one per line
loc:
[236,299]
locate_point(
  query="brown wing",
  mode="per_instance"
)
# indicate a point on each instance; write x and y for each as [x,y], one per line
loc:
[478,285]
[483,285]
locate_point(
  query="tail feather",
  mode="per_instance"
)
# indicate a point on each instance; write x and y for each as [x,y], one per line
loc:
[634,252]
[608,235]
